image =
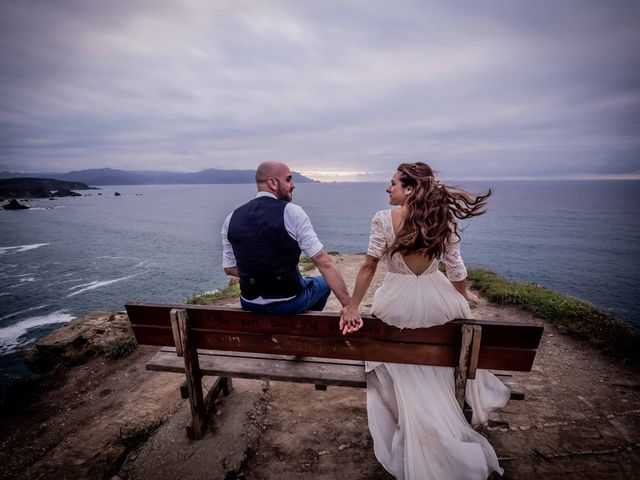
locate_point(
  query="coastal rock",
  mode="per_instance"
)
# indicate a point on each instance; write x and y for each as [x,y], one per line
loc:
[14,205]
[78,339]
[65,192]
[37,187]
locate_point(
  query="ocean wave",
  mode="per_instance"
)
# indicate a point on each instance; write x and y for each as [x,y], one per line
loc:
[20,312]
[13,337]
[117,257]
[97,284]
[21,248]
[53,207]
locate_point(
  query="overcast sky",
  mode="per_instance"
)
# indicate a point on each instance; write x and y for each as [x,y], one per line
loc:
[347,90]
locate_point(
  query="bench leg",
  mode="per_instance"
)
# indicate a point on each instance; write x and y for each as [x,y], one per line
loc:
[227,385]
[194,376]
[462,370]
[184,389]
[467,364]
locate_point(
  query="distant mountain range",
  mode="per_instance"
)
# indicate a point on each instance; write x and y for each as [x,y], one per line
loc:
[110,176]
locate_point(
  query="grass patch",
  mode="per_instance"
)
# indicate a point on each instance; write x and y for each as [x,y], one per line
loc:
[208,298]
[574,316]
[133,438]
[121,348]
[306,264]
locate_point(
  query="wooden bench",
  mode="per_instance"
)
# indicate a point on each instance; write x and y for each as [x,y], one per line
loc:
[308,348]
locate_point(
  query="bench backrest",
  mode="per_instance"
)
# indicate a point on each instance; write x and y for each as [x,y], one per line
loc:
[504,345]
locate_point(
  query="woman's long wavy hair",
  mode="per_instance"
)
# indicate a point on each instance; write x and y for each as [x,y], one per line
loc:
[433,211]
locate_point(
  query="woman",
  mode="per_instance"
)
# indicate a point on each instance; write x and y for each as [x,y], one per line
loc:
[418,429]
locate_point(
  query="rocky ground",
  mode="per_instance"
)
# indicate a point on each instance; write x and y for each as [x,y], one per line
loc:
[580,420]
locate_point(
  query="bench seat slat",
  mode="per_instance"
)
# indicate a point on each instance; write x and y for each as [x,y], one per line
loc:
[223,353]
[346,375]
[254,366]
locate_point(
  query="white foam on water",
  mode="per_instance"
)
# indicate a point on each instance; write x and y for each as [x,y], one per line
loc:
[97,284]
[20,312]
[21,248]
[30,279]
[12,337]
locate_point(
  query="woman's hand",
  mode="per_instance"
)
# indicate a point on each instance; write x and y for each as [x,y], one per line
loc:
[350,320]
[472,298]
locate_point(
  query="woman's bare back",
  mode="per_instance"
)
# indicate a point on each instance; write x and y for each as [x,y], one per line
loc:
[414,262]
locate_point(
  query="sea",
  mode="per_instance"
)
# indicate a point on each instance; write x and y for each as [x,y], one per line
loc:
[161,243]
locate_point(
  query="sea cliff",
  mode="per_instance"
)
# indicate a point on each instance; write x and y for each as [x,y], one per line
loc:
[107,415]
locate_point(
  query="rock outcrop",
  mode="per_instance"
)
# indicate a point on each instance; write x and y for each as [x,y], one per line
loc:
[14,205]
[78,339]
[65,192]
[38,187]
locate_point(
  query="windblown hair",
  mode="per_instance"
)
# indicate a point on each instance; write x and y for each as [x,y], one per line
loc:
[433,211]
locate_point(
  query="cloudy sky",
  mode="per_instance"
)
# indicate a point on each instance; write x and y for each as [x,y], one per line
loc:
[339,90]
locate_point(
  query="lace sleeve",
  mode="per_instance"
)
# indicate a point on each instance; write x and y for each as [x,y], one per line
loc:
[377,241]
[453,263]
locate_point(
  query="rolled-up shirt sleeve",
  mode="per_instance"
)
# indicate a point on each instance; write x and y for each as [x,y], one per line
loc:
[228,258]
[377,240]
[299,227]
[453,263]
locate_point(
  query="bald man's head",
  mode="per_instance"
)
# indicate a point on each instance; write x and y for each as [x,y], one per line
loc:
[276,178]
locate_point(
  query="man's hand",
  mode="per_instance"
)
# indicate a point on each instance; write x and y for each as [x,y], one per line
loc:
[350,320]
[233,271]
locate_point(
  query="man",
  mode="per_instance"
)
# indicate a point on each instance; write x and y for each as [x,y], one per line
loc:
[262,242]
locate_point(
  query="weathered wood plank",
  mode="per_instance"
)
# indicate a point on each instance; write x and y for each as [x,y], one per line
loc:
[153,316]
[462,369]
[493,358]
[166,361]
[475,351]
[194,375]
[266,369]
[222,353]
[175,331]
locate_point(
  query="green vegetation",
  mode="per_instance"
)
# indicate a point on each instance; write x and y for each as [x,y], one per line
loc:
[233,289]
[208,298]
[574,316]
[132,439]
[121,348]
[306,264]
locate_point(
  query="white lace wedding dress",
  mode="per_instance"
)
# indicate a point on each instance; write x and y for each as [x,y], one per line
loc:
[417,426]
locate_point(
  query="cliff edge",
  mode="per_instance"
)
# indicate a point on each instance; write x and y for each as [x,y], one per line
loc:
[110,417]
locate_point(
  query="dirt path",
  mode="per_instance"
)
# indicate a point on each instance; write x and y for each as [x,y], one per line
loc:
[580,420]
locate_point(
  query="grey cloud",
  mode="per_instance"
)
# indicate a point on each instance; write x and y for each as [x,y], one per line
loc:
[487,88]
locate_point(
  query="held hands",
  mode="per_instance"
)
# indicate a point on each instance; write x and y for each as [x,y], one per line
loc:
[350,320]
